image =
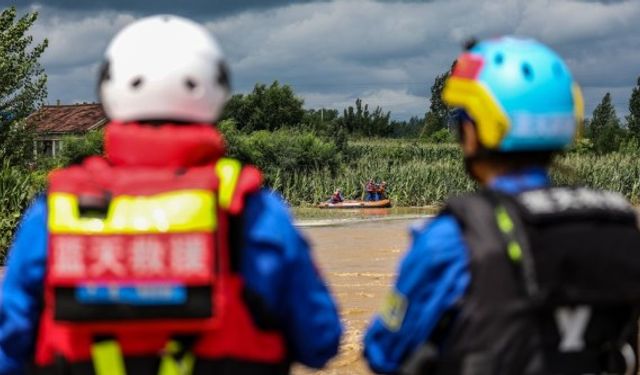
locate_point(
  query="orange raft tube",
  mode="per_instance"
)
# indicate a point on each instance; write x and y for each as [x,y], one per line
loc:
[383,203]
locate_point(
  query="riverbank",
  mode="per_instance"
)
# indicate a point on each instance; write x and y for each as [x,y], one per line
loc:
[315,217]
[359,260]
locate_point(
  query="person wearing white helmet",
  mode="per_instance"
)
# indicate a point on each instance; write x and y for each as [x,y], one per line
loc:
[163,257]
[164,68]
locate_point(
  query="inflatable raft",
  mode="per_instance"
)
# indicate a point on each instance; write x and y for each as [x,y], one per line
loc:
[357,204]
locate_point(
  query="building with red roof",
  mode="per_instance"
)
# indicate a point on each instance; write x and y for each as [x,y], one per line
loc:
[53,123]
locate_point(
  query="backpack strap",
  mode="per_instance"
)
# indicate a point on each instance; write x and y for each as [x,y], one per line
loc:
[493,219]
[236,182]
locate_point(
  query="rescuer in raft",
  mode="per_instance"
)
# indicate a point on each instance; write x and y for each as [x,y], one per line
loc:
[336,197]
[164,257]
[519,277]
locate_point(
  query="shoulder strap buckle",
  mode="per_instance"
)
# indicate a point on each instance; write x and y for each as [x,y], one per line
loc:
[517,245]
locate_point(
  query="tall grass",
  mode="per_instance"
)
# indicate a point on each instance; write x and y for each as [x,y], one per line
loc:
[417,174]
[616,172]
[421,174]
[17,188]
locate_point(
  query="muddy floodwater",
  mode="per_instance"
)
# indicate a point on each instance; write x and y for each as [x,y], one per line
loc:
[358,253]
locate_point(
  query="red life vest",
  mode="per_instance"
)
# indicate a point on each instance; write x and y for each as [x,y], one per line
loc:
[141,255]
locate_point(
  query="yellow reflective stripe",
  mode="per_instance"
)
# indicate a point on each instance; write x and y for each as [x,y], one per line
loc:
[477,100]
[228,171]
[170,366]
[578,108]
[505,224]
[177,211]
[107,358]
[515,251]
[504,221]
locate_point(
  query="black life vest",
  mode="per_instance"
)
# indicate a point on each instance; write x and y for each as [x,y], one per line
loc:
[555,285]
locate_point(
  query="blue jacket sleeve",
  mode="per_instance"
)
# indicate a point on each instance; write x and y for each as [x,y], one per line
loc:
[22,288]
[432,277]
[277,264]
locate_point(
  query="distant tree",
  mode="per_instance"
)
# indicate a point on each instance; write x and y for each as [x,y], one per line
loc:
[359,120]
[408,129]
[265,108]
[321,120]
[602,115]
[234,109]
[442,136]
[633,119]
[604,128]
[437,116]
[22,84]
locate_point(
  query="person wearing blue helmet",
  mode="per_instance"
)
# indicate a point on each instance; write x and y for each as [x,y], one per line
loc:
[518,277]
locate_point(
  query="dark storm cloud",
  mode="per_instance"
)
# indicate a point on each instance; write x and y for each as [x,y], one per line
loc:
[387,52]
[193,8]
[605,1]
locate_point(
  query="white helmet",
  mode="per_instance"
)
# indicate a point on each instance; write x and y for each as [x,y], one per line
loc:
[164,68]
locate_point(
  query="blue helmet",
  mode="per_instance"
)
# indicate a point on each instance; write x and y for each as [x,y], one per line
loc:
[520,94]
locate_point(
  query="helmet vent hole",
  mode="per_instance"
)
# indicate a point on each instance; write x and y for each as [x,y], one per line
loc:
[557,69]
[499,59]
[105,74]
[223,76]
[190,84]
[136,83]
[527,71]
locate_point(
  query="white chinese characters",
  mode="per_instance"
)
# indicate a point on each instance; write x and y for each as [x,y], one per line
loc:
[115,257]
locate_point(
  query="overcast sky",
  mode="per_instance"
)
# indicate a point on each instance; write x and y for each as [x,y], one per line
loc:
[332,52]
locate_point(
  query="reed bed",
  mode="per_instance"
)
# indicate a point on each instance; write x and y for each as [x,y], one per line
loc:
[422,174]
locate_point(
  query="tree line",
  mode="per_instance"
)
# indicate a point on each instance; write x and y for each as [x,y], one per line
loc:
[606,132]
[276,106]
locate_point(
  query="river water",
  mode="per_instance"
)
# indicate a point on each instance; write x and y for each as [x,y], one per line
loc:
[358,254]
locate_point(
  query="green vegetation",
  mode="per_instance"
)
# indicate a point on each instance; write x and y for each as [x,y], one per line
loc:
[16,191]
[604,127]
[360,121]
[436,119]
[22,79]
[418,174]
[421,173]
[281,153]
[633,119]
[615,171]
[77,148]
[22,90]
[265,108]
[22,85]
